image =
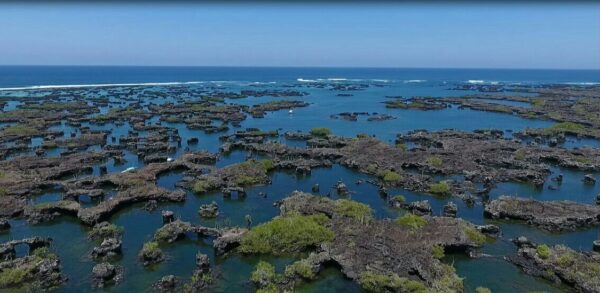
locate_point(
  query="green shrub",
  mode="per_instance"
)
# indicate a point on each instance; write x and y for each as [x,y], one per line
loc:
[565,260]
[565,126]
[12,276]
[264,273]
[391,176]
[474,235]
[438,251]
[292,233]
[372,282]
[104,231]
[401,146]
[267,164]
[482,290]
[440,188]
[543,251]
[520,155]
[398,199]
[435,161]
[245,180]
[411,221]
[43,253]
[203,185]
[300,268]
[320,131]
[150,248]
[353,209]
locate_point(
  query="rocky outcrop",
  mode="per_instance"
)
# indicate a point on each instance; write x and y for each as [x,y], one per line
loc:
[37,271]
[228,240]
[177,229]
[560,264]
[551,216]
[209,210]
[104,274]
[385,247]
[126,197]
[166,284]
[110,247]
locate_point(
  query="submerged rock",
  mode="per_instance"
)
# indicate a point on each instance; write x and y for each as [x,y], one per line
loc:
[341,188]
[4,225]
[489,229]
[151,205]
[550,215]
[589,179]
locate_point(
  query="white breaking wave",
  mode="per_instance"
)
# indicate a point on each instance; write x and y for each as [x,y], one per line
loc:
[38,87]
[479,81]
[93,85]
[414,81]
[340,79]
[306,80]
[583,83]
[475,81]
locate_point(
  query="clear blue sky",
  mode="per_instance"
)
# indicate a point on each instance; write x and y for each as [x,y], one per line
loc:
[271,34]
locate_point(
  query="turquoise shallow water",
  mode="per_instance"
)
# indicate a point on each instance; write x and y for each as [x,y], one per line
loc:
[70,241]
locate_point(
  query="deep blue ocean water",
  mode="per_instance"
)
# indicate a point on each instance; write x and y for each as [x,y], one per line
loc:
[20,76]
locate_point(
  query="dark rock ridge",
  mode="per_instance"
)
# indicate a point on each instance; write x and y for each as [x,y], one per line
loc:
[550,215]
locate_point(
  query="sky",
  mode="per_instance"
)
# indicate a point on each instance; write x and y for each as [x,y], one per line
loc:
[450,35]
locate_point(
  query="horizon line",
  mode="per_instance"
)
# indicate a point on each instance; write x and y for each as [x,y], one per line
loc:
[290,66]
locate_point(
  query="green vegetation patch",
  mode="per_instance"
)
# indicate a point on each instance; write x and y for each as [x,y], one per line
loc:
[440,188]
[435,161]
[543,251]
[437,251]
[287,234]
[398,199]
[300,268]
[320,131]
[353,209]
[20,130]
[482,290]
[203,185]
[150,248]
[17,276]
[104,231]
[264,273]
[411,221]
[474,235]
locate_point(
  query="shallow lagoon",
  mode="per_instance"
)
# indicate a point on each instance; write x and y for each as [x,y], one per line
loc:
[69,236]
